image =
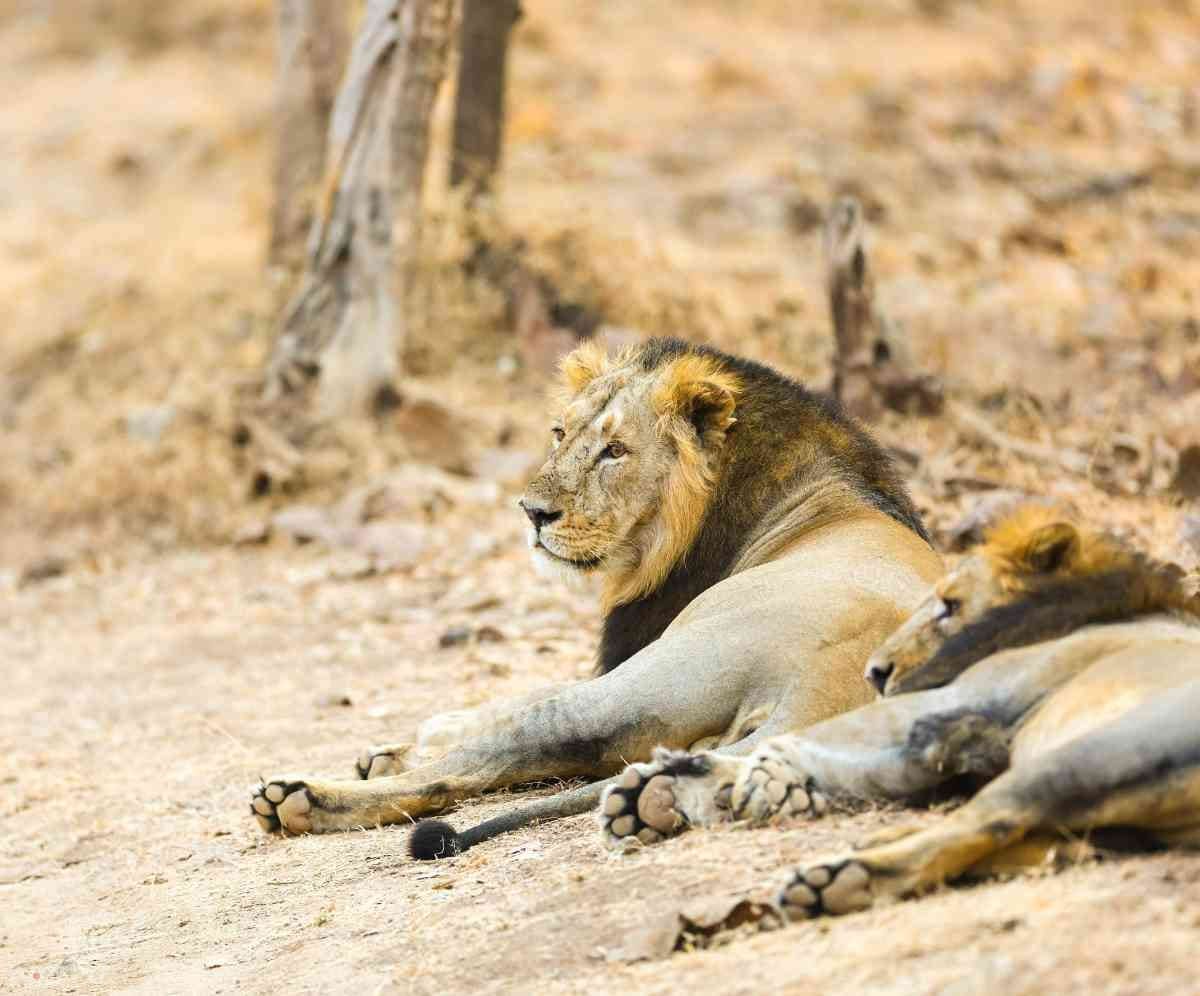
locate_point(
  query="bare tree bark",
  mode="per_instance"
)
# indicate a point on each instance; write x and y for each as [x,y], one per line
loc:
[343,330]
[312,40]
[479,102]
[871,365]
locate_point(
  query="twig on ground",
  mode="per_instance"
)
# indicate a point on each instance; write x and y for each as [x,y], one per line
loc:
[976,425]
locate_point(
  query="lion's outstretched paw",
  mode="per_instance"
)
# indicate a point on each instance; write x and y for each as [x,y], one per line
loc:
[659,799]
[771,787]
[383,761]
[282,804]
[640,806]
[835,887]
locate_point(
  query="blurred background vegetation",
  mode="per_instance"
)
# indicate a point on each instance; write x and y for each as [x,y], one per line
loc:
[1028,169]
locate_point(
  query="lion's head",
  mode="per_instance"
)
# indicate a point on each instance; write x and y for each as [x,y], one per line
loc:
[635,447]
[1036,577]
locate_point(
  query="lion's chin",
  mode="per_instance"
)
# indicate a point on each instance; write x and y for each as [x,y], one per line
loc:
[574,573]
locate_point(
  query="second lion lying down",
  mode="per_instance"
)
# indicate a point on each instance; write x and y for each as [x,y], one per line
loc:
[1054,664]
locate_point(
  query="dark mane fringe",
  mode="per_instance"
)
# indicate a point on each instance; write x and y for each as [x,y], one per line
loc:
[785,438]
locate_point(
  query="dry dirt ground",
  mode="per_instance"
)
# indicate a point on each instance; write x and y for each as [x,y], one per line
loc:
[1030,170]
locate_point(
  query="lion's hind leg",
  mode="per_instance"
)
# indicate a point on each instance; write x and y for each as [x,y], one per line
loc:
[1141,771]
[914,863]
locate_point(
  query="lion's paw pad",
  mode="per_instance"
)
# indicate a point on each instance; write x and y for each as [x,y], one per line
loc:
[282,804]
[835,888]
[640,806]
[773,788]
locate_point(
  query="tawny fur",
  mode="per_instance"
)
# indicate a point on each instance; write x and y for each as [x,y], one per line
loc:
[1055,665]
[756,545]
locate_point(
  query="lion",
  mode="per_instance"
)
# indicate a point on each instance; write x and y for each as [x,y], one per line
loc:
[754,546]
[1056,666]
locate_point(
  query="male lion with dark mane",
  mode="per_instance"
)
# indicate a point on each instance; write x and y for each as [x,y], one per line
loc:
[1056,665]
[755,547]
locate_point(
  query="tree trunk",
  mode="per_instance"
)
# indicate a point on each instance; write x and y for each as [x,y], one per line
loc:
[479,103]
[851,305]
[344,328]
[312,40]
[872,369]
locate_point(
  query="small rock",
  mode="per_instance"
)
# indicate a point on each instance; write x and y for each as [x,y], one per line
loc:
[42,570]
[333,700]
[482,545]
[489,634]
[390,545]
[419,489]
[506,466]
[149,424]
[350,566]
[433,433]
[454,636]
[305,523]
[252,533]
[468,598]
[697,926]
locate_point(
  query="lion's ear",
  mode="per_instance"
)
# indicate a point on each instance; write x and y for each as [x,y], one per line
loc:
[583,365]
[1052,547]
[697,389]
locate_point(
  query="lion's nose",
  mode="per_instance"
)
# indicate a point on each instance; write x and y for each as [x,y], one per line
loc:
[538,514]
[878,674]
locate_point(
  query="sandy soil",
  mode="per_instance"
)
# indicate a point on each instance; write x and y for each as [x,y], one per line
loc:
[1030,171]
[141,706]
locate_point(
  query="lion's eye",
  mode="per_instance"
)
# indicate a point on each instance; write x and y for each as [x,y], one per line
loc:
[950,607]
[558,433]
[614,450]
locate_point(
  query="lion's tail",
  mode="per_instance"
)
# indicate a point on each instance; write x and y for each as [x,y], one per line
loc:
[437,839]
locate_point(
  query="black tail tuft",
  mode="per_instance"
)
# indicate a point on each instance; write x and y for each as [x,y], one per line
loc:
[434,839]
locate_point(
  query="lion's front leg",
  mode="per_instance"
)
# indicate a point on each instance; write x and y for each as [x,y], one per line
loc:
[309,805]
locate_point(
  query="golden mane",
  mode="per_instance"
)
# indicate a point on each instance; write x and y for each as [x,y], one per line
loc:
[692,391]
[1035,547]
